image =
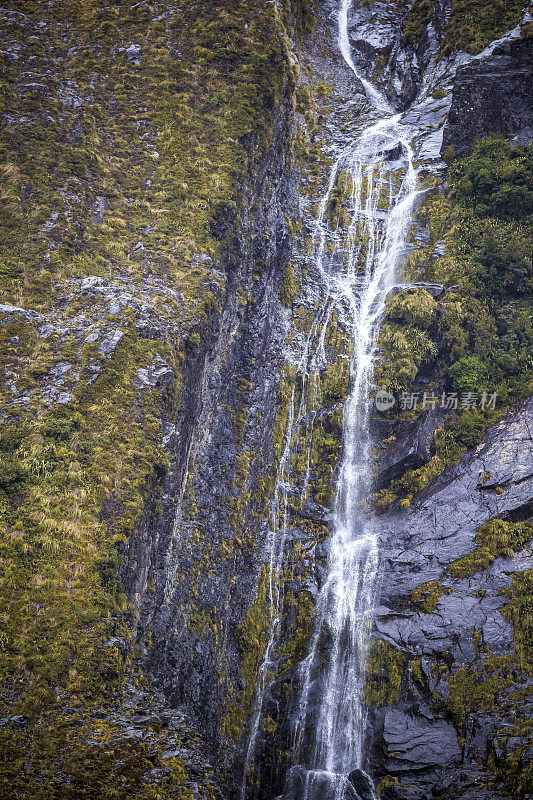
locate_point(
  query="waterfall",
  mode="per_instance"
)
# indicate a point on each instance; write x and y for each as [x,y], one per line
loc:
[376,98]
[312,359]
[329,725]
[328,728]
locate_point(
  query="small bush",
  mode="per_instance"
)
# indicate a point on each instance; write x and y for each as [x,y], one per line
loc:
[468,375]
[413,306]
[288,290]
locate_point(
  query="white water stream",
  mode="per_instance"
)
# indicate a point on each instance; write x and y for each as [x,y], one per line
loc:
[329,725]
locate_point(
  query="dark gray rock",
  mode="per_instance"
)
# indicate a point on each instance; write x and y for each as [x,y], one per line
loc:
[134,54]
[90,283]
[492,94]
[157,376]
[110,343]
[362,784]
[412,448]
[98,209]
[416,744]
[15,311]
[401,792]
[434,289]
[314,511]
[18,721]
[493,481]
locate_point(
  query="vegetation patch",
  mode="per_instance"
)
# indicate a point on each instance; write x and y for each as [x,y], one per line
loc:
[477,336]
[383,676]
[474,24]
[472,691]
[427,595]
[519,612]
[495,538]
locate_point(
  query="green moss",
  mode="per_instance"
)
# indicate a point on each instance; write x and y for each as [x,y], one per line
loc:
[219,97]
[473,24]
[478,336]
[469,374]
[517,770]
[384,670]
[404,349]
[71,756]
[495,538]
[519,612]
[253,638]
[289,288]
[168,146]
[417,20]
[384,783]
[427,595]
[495,180]
[412,482]
[472,691]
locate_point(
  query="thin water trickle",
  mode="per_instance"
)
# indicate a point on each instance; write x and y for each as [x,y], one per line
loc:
[312,359]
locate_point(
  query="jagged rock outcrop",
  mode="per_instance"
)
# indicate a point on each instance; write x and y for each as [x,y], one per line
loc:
[465,628]
[494,481]
[411,449]
[492,95]
[191,582]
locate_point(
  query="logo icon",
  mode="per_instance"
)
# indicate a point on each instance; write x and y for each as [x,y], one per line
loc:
[384,400]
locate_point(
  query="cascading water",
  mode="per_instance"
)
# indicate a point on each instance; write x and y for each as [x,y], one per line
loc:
[329,725]
[308,366]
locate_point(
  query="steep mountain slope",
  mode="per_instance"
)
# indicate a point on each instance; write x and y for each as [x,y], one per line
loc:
[162,163]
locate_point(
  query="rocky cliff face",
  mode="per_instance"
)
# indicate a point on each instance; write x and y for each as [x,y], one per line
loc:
[460,691]
[161,166]
[491,96]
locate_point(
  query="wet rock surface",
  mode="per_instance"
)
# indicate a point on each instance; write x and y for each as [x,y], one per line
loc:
[411,449]
[413,744]
[465,630]
[494,481]
[187,564]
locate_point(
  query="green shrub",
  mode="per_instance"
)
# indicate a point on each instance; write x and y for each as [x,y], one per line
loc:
[495,538]
[520,613]
[12,474]
[469,429]
[414,307]
[469,374]
[288,290]
[496,179]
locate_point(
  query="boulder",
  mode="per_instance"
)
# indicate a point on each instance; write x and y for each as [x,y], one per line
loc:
[362,785]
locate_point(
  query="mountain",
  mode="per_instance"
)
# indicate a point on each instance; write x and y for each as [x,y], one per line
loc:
[191,200]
